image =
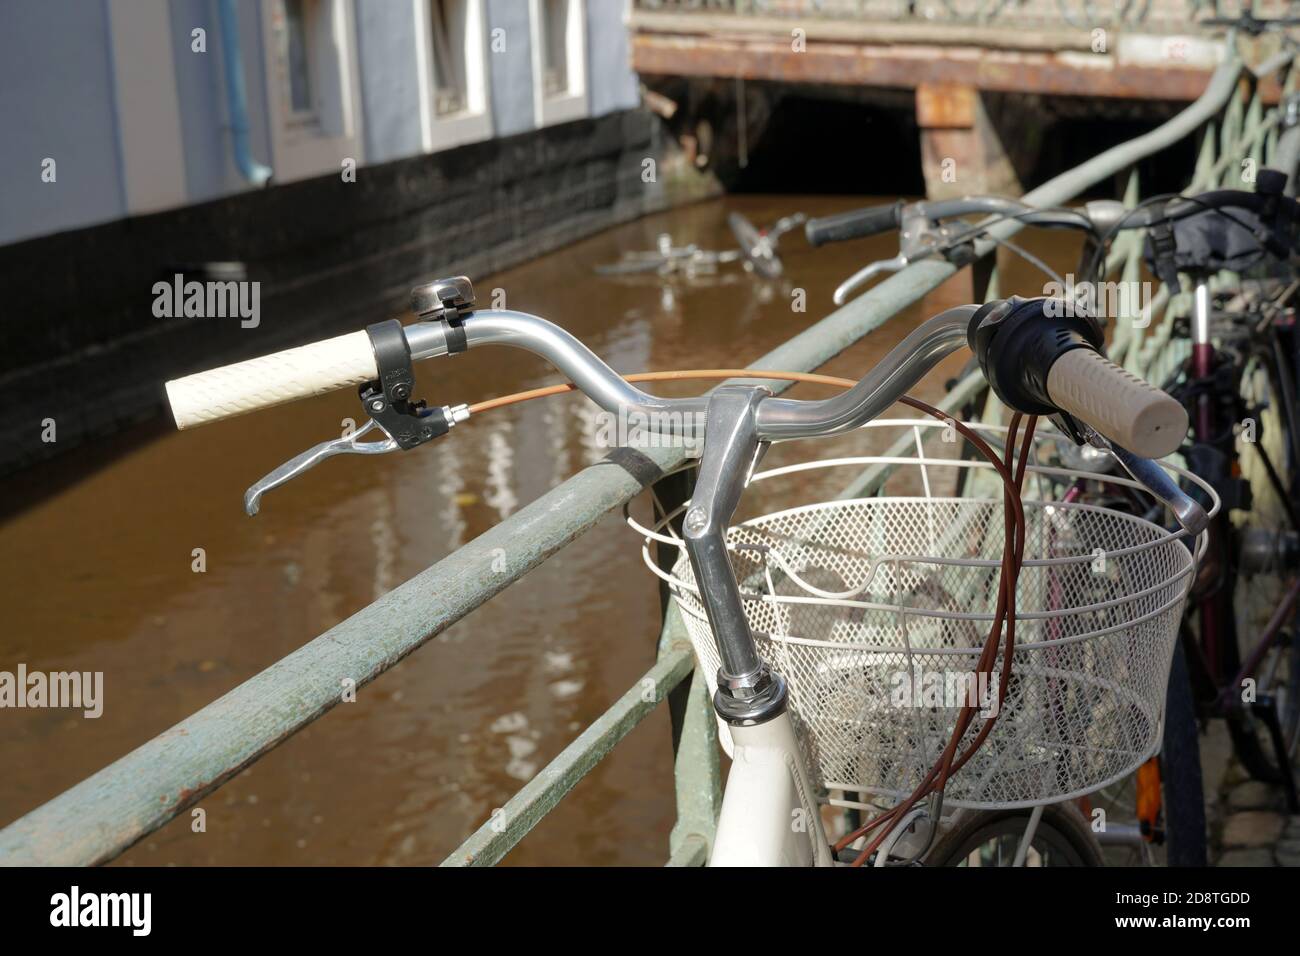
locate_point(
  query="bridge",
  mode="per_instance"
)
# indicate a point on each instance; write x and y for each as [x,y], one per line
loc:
[955,60]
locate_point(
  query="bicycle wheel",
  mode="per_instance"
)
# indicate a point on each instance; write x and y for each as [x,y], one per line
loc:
[1269,464]
[991,838]
[1183,788]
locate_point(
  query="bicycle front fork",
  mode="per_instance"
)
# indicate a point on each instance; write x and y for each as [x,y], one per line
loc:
[769,815]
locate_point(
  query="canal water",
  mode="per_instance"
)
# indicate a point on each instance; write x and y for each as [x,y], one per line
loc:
[100,575]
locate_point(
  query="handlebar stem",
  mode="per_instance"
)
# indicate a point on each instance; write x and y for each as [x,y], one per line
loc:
[729,457]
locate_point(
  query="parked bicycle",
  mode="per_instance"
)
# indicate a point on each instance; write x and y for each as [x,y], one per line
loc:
[803,620]
[1240,639]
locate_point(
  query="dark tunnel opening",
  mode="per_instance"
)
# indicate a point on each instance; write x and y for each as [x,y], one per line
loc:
[833,146]
[853,141]
[1079,129]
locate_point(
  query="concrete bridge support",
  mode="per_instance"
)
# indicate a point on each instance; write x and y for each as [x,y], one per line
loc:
[974,141]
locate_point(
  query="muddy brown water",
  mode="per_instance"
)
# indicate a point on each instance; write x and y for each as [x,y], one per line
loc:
[99,577]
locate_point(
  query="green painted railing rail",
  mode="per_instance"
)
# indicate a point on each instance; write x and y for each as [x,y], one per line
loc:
[99,818]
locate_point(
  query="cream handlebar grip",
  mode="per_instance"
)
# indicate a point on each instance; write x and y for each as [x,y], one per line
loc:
[272,380]
[1121,406]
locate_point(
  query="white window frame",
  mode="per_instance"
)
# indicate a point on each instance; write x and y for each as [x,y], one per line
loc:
[549,109]
[300,148]
[472,124]
[148,108]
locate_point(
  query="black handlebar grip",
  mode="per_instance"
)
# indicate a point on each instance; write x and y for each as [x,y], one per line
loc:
[856,224]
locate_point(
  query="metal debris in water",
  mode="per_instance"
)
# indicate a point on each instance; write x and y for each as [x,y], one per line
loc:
[757,252]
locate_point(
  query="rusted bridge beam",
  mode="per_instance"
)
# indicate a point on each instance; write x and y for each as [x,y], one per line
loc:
[905,56]
[865,31]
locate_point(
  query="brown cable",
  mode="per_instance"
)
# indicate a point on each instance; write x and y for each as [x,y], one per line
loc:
[1013,554]
[936,778]
[984,663]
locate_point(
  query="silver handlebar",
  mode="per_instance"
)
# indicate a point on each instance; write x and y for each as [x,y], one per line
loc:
[742,421]
[777,419]
[686,418]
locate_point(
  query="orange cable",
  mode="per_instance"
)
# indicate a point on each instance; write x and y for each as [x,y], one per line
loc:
[669,376]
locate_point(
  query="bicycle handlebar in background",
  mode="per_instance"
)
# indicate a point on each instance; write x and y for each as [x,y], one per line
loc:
[855,224]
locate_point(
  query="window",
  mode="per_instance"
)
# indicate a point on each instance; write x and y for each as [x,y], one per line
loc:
[447,31]
[452,60]
[555,73]
[559,39]
[311,76]
[310,64]
[296,46]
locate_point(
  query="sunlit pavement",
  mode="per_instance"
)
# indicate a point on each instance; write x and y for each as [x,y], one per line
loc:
[1249,825]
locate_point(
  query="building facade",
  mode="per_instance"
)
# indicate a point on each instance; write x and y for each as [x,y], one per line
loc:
[134,103]
[334,152]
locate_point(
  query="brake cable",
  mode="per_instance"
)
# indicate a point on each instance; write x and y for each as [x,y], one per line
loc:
[671,375]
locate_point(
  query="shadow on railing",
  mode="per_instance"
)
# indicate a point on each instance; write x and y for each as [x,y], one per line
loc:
[108,812]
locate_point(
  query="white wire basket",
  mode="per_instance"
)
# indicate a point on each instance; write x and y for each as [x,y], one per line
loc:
[875,610]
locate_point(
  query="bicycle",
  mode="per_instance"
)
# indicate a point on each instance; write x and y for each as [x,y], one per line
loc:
[773,713]
[1249,376]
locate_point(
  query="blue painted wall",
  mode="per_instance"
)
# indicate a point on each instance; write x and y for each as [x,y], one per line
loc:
[210,170]
[609,59]
[56,100]
[510,73]
[390,94]
[57,97]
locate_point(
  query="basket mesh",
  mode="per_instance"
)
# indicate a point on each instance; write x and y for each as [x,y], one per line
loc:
[876,681]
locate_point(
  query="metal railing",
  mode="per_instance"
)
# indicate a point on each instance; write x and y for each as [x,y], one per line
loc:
[108,812]
[1154,15]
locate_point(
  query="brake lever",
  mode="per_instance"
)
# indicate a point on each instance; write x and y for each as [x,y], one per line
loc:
[866,274]
[313,456]
[1156,480]
[919,237]
[404,422]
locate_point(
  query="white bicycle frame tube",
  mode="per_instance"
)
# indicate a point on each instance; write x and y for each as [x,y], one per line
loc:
[769,816]
[1201,314]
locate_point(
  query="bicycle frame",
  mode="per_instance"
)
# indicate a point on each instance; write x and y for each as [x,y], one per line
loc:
[1214,608]
[769,814]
